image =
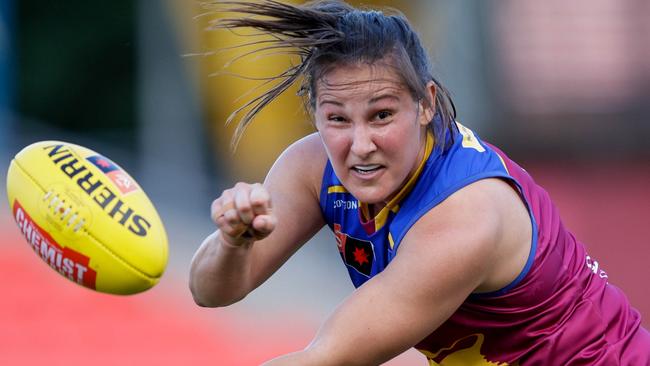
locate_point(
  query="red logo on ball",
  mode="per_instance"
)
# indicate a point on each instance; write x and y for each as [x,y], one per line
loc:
[66,261]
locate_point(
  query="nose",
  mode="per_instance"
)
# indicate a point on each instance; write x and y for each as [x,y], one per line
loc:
[362,141]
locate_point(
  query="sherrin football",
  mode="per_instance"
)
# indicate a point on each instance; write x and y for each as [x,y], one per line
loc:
[86,218]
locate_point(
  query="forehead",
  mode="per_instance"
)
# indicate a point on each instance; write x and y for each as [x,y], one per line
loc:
[359,80]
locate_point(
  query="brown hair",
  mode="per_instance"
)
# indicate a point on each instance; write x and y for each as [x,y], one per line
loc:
[328,33]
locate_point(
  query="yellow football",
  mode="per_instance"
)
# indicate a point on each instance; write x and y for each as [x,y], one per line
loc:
[87,218]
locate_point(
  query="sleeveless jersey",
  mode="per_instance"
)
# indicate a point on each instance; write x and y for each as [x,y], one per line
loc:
[560,310]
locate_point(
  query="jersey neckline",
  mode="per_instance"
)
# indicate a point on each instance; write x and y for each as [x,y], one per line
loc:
[377,222]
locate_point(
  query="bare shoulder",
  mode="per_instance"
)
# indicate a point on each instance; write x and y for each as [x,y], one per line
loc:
[480,208]
[308,149]
[487,225]
[302,162]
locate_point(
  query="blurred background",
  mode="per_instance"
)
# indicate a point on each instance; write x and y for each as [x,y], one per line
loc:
[562,87]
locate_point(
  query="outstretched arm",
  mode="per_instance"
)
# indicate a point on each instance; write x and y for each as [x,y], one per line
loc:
[458,247]
[259,226]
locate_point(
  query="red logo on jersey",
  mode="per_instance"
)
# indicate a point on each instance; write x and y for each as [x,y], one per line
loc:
[340,238]
[360,256]
[356,253]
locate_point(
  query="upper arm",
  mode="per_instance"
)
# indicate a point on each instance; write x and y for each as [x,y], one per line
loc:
[445,256]
[294,185]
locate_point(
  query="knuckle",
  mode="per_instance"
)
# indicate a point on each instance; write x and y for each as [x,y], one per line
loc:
[260,197]
[215,206]
[221,223]
[258,201]
[241,185]
[231,217]
[232,221]
[244,208]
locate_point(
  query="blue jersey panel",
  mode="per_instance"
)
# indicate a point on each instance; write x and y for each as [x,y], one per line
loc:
[367,252]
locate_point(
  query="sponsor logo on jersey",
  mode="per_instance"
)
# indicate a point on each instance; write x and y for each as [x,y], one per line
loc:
[101,194]
[346,205]
[66,261]
[462,352]
[594,266]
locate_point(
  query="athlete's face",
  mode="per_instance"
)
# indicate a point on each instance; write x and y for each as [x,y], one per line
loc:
[373,130]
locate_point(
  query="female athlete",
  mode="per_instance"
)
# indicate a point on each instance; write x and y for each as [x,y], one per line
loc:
[453,248]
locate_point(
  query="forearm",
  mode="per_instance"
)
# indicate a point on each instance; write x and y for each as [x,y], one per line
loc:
[220,272]
[297,358]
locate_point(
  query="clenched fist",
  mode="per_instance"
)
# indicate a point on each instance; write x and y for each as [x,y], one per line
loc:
[243,214]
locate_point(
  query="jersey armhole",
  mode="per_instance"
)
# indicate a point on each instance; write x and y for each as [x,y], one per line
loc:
[515,185]
[531,254]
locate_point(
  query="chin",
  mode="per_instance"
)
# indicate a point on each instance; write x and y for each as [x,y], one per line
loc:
[368,195]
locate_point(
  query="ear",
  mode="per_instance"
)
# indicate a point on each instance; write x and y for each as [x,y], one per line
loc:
[429,106]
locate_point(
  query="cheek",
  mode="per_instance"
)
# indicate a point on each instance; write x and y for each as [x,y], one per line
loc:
[395,143]
[335,144]
[403,147]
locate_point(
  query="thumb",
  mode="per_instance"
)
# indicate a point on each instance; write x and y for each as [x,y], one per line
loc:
[263,225]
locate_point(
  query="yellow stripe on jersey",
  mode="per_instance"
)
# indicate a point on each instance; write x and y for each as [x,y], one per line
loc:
[469,140]
[393,204]
[503,163]
[391,242]
[365,212]
[336,189]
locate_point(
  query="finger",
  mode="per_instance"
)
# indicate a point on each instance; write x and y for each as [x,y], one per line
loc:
[225,215]
[225,207]
[215,209]
[242,204]
[221,204]
[231,224]
[232,217]
[263,225]
[260,200]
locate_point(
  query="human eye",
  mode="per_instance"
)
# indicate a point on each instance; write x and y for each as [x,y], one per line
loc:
[384,116]
[335,118]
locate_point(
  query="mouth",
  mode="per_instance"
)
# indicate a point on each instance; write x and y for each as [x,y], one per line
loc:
[367,169]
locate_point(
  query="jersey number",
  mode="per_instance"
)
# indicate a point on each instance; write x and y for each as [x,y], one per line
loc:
[469,140]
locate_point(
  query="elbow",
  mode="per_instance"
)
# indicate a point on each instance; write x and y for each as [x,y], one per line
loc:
[209,304]
[206,303]
[212,299]
[213,302]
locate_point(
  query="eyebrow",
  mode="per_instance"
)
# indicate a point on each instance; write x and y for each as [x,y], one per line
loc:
[371,101]
[329,101]
[383,96]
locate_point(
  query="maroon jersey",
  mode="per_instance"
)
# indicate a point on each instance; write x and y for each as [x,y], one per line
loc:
[562,312]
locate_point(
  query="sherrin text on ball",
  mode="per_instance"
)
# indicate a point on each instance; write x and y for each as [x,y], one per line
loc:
[87,218]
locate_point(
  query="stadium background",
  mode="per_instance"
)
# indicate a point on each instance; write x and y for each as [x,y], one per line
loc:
[564,88]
